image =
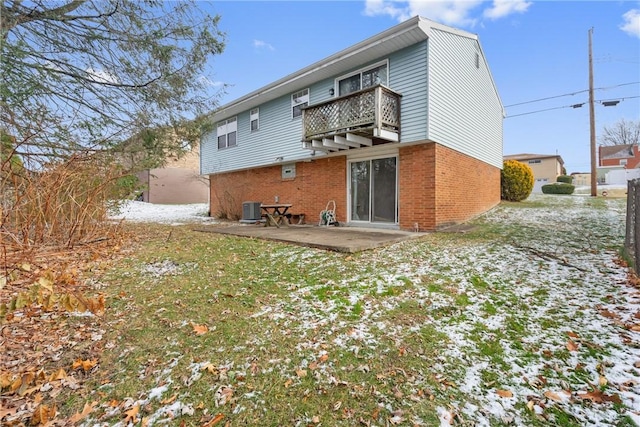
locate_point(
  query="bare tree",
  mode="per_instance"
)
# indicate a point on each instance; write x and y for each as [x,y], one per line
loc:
[85,75]
[623,132]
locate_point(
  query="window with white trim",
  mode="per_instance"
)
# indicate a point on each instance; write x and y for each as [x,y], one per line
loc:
[363,79]
[299,100]
[254,119]
[623,162]
[227,133]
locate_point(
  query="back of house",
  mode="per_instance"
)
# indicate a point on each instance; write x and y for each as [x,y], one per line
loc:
[402,130]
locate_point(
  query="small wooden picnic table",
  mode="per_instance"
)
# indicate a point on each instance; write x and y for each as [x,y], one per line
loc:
[276,214]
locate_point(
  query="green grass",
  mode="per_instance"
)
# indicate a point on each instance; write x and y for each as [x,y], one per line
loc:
[298,333]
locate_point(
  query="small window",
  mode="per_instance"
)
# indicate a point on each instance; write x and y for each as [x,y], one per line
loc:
[227,133]
[363,79]
[299,100]
[255,119]
[533,162]
[623,162]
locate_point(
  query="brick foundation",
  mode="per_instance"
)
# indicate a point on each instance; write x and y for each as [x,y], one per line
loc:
[437,187]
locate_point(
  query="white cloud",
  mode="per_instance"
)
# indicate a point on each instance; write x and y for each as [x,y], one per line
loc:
[208,82]
[383,7]
[502,8]
[460,13]
[259,44]
[631,24]
[101,76]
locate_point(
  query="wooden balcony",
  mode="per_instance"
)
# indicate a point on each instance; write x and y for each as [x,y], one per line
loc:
[358,119]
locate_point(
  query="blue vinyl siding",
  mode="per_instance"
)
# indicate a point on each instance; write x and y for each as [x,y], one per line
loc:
[444,99]
[408,77]
[465,112]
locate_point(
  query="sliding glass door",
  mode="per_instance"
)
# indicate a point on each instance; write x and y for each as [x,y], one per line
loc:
[373,190]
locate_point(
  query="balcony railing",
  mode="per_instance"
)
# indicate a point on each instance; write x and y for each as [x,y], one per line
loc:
[352,120]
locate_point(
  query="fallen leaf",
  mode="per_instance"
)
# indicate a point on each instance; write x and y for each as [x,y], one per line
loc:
[504,393]
[572,346]
[223,395]
[553,396]
[315,419]
[169,399]
[43,414]
[132,415]
[596,396]
[88,408]
[86,365]
[602,381]
[58,375]
[572,334]
[199,329]
[301,373]
[609,314]
[288,383]
[530,405]
[213,421]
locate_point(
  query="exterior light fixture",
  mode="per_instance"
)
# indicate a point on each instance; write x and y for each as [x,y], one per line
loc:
[279,159]
[331,92]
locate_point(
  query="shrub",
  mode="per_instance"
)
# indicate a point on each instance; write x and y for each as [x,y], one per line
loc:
[568,179]
[516,181]
[558,188]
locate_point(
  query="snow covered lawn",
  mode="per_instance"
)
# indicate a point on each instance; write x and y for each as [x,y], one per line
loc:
[135,211]
[528,320]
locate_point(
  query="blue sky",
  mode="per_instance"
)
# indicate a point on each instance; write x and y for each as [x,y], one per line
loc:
[535,49]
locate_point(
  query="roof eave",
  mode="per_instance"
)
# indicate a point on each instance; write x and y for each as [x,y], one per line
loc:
[304,77]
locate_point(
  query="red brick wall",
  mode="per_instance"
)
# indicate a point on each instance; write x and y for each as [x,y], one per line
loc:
[316,183]
[417,192]
[437,187]
[440,186]
[465,187]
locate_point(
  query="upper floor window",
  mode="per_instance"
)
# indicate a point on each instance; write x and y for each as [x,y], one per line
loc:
[623,162]
[227,133]
[255,119]
[363,79]
[531,162]
[299,100]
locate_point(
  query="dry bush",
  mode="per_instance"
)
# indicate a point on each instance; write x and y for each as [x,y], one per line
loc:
[230,194]
[61,205]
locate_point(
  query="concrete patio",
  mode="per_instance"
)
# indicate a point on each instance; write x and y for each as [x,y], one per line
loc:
[339,239]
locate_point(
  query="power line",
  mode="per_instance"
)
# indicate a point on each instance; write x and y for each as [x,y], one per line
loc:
[570,94]
[601,101]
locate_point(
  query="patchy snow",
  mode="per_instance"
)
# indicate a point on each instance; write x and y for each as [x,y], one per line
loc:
[131,210]
[535,319]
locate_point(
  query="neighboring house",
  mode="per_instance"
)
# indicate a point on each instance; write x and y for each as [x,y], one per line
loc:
[178,181]
[546,167]
[402,130]
[581,179]
[626,156]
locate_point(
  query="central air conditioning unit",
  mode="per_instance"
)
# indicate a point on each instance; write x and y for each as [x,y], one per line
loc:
[251,211]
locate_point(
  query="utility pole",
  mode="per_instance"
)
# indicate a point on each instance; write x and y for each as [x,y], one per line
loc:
[592,121]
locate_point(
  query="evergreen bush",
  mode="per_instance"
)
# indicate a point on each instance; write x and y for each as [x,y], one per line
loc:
[568,179]
[516,181]
[558,188]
